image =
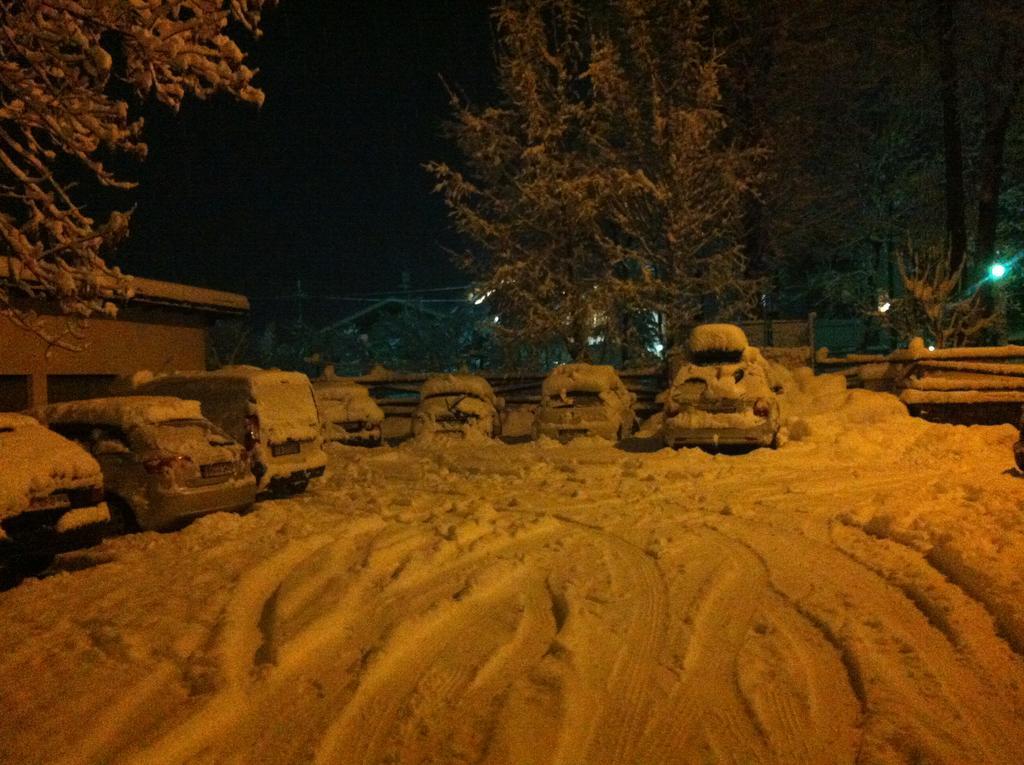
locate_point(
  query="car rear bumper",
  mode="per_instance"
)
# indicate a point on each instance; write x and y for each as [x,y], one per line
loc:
[364,437]
[170,509]
[565,432]
[763,435]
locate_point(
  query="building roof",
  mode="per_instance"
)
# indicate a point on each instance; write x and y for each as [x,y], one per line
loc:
[151,291]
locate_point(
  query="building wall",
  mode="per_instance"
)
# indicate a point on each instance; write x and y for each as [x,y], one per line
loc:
[161,341]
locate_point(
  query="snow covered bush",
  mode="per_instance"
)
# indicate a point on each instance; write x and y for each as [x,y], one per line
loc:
[67,71]
[936,304]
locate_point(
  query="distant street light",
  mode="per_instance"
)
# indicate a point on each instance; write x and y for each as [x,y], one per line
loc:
[884,307]
[997,271]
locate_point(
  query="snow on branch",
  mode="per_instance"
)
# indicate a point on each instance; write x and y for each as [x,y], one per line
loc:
[601,189]
[67,71]
[936,305]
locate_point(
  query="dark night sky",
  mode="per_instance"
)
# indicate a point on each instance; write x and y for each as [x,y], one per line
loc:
[324,183]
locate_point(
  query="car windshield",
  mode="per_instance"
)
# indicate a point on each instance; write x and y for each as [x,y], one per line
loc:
[717,357]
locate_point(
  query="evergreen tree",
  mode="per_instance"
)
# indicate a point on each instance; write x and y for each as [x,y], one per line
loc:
[601,185]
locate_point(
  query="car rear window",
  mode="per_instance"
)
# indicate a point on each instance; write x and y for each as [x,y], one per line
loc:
[178,435]
[716,357]
[580,398]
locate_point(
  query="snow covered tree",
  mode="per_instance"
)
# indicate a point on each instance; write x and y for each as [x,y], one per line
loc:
[601,185]
[68,70]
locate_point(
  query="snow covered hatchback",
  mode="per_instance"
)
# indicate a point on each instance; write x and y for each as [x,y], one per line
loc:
[163,463]
[457,405]
[722,397]
[348,413]
[584,400]
[272,413]
[51,491]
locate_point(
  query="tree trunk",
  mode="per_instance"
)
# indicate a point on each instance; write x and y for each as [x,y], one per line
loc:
[956,226]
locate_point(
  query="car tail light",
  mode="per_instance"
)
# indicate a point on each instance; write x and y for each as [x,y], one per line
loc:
[761,408]
[252,431]
[165,463]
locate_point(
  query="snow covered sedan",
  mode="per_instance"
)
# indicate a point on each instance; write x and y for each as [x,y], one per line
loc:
[459,405]
[348,414]
[584,400]
[51,492]
[271,413]
[723,396]
[163,463]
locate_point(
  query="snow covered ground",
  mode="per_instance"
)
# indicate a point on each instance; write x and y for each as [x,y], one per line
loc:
[855,596]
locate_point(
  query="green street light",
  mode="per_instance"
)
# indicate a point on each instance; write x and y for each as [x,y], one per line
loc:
[997,271]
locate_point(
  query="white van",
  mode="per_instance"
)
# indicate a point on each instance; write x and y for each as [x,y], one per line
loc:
[271,413]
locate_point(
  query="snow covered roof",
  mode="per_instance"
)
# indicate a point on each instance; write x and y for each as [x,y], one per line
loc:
[439,385]
[37,462]
[151,290]
[581,377]
[717,337]
[124,412]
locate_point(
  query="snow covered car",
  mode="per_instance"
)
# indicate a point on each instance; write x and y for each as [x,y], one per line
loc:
[348,414]
[163,463]
[584,400]
[723,396]
[271,413]
[457,405]
[51,492]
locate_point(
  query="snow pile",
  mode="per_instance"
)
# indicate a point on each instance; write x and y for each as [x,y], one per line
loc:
[869,425]
[38,462]
[716,337]
[83,516]
[126,413]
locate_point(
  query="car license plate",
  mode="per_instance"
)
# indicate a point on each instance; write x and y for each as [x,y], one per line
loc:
[217,469]
[289,447]
[51,502]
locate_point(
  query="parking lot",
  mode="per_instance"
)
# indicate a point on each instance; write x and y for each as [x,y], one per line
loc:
[852,596]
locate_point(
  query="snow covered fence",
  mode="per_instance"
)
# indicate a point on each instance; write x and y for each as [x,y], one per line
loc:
[980,386]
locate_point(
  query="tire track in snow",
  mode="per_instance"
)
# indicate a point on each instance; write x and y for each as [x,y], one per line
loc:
[949,569]
[914,679]
[235,648]
[393,673]
[402,573]
[704,706]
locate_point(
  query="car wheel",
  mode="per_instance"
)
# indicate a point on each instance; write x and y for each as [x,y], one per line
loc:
[122,519]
